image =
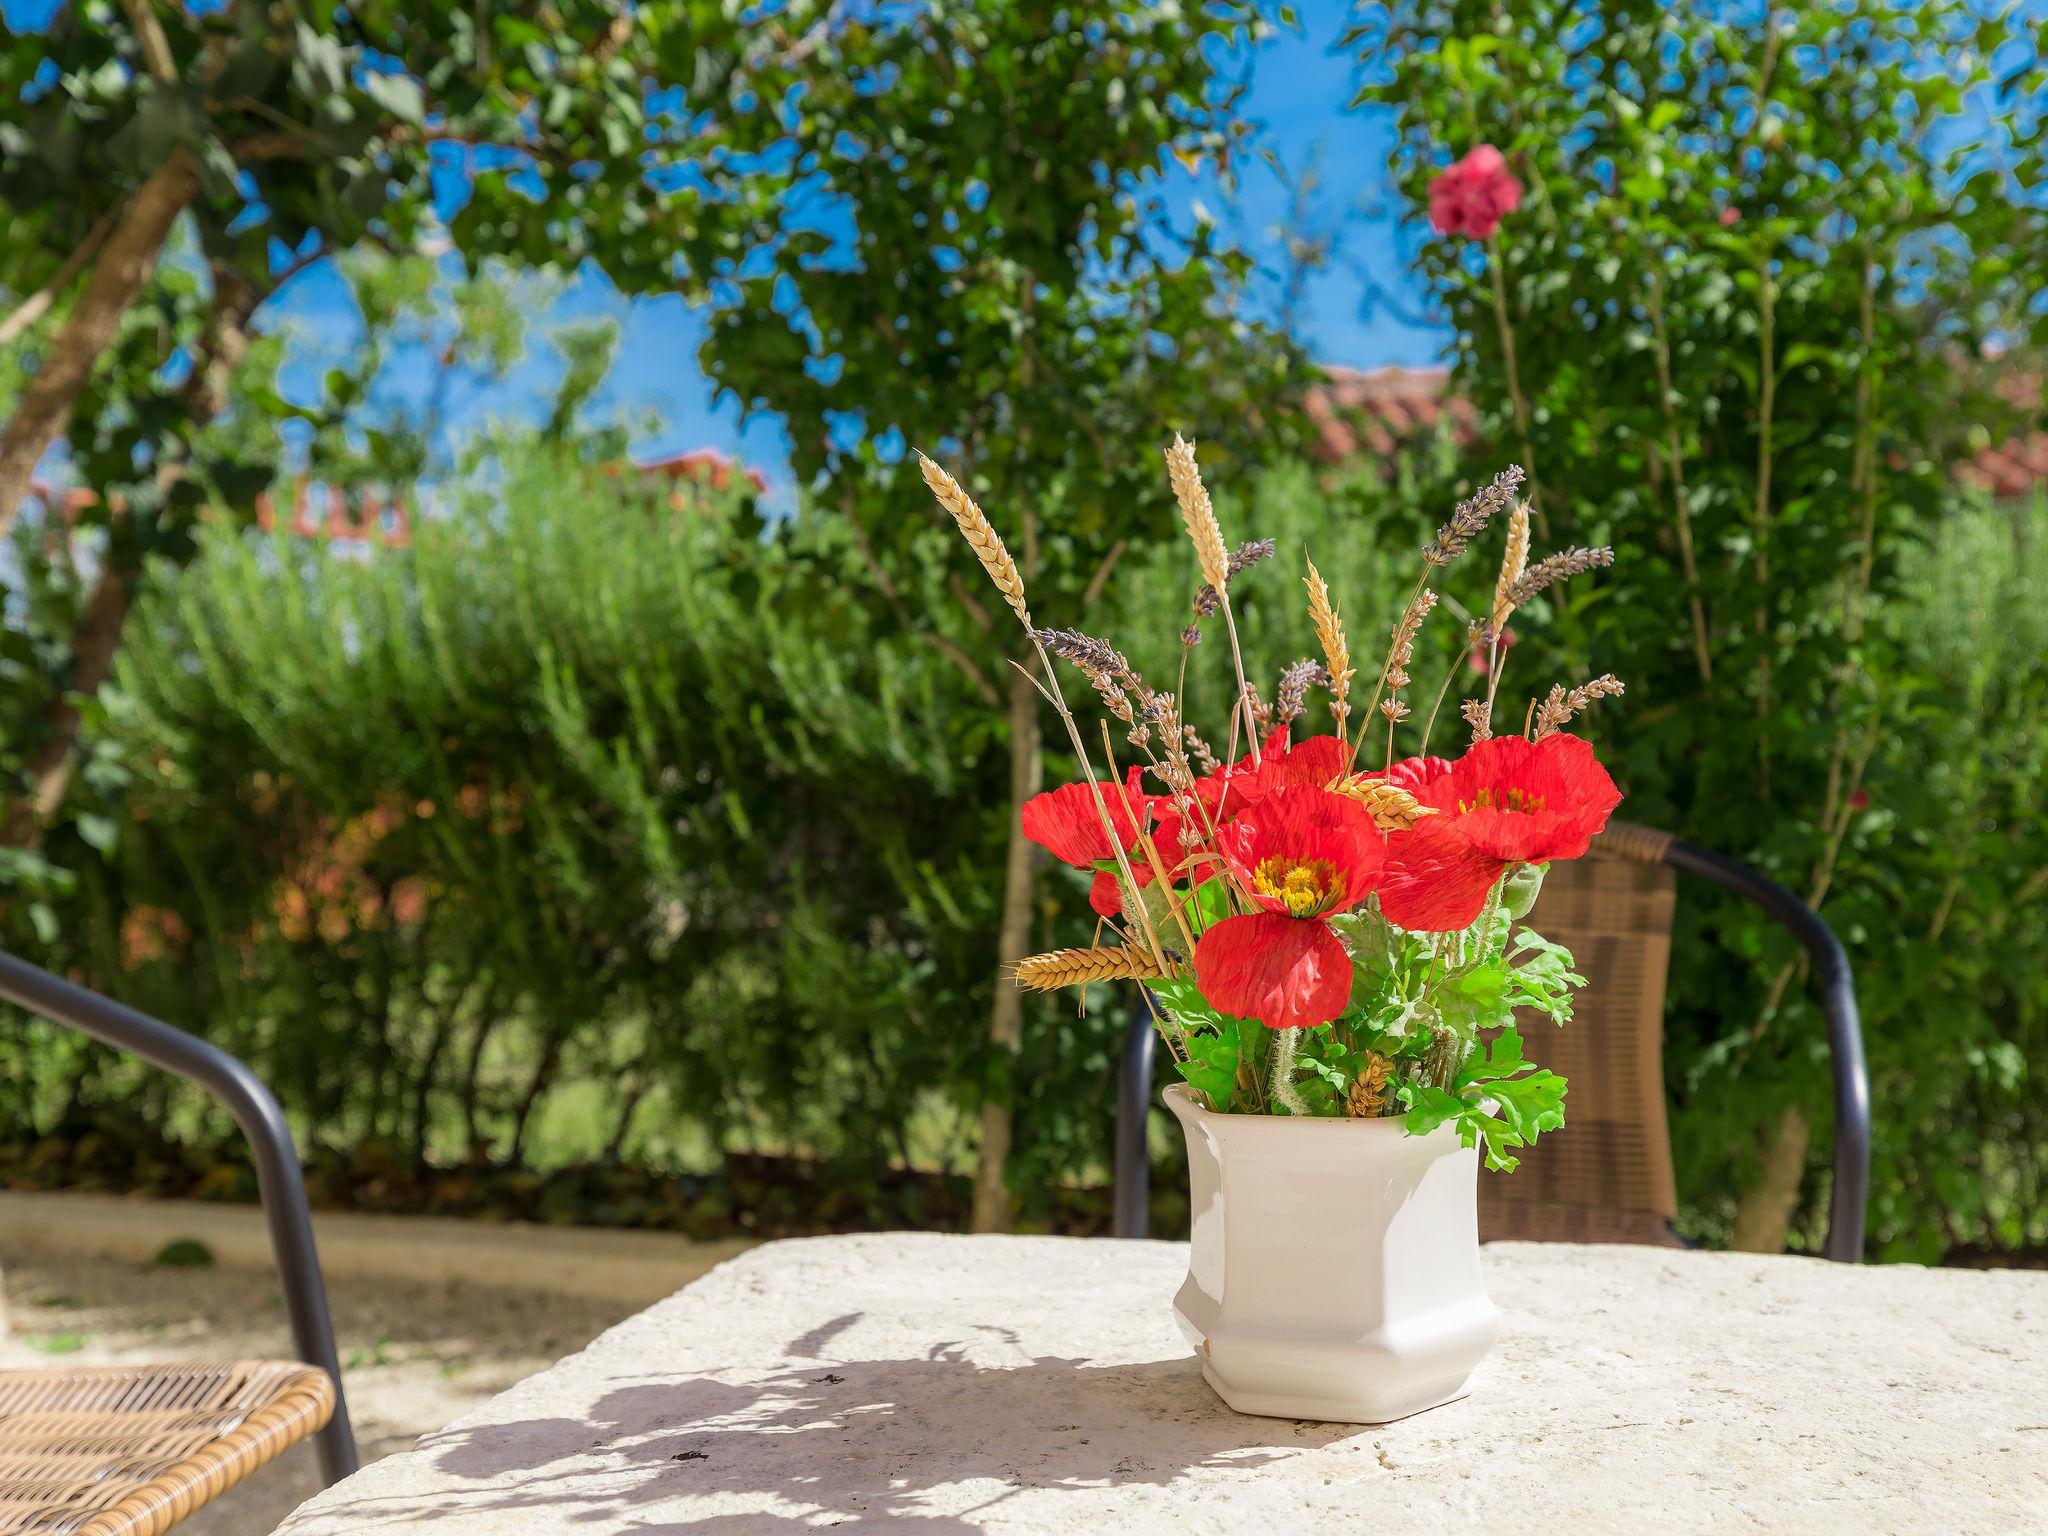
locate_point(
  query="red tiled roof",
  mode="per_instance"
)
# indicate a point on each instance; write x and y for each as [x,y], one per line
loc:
[709,465]
[1359,413]
[386,518]
[1374,411]
[2011,470]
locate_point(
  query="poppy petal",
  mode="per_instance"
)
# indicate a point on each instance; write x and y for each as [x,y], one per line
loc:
[1301,822]
[1414,774]
[1103,895]
[1436,881]
[1286,972]
[1066,823]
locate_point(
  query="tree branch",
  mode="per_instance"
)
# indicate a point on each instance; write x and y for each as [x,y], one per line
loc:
[1093,591]
[156,48]
[37,304]
[125,262]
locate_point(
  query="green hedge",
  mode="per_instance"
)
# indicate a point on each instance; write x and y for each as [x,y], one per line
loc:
[594,832]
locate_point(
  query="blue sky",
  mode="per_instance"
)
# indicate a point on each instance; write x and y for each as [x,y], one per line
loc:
[1360,310]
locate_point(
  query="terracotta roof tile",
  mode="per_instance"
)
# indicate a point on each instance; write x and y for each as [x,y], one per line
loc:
[1357,411]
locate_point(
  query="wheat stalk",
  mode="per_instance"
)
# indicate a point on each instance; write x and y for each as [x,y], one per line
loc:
[1513,563]
[1368,1096]
[981,536]
[1392,808]
[1336,649]
[1198,513]
[988,547]
[1207,598]
[1077,967]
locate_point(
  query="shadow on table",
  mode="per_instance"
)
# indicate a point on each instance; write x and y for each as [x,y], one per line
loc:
[857,1440]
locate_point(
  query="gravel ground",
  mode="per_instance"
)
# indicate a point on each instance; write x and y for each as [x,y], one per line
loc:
[414,1355]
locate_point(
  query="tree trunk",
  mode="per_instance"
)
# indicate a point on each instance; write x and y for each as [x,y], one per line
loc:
[472,1075]
[49,768]
[98,636]
[124,265]
[543,1078]
[1013,943]
[1765,1212]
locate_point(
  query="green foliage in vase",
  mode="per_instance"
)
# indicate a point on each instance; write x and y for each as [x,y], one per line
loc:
[1430,1030]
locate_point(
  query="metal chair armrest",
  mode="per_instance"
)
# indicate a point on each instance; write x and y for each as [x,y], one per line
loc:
[256,1111]
[1133,1105]
[1849,1203]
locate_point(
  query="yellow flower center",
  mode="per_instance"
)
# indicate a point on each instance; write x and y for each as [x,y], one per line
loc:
[1306,887]
[1516,800]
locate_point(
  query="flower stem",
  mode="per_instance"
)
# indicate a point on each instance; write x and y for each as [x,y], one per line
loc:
[1237,659]
[1516,398]
[1286,1050]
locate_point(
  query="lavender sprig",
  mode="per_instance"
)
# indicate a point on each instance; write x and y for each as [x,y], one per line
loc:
[1208,599]
[1470,516]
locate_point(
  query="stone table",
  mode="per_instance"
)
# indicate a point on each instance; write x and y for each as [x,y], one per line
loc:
[986,1384]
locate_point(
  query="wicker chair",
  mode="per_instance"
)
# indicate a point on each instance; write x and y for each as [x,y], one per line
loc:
[1607,1176]
[132,1450]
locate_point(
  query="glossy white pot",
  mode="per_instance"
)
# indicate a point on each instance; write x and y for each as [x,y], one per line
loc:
[1334,1265]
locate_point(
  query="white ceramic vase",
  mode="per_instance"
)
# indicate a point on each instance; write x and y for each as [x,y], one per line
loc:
[1334,1265]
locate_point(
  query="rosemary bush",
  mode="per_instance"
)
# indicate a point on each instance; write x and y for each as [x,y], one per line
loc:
[558,795]
[683,894]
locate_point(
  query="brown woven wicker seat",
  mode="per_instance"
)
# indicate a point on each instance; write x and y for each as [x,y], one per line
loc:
[132,1450]
[1606,1177]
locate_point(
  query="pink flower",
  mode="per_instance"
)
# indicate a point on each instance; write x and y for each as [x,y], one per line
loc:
[1473,195]
[1481,660]
[1729,216]
[409,901]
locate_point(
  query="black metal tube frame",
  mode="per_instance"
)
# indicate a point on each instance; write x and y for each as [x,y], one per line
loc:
[1849,1202]
[256,1111]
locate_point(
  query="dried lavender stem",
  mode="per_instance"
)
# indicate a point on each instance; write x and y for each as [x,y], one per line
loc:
[995,559]
[1116,846]
[1151,848]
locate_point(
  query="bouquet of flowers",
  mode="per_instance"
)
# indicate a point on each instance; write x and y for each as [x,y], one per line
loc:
[1325,928]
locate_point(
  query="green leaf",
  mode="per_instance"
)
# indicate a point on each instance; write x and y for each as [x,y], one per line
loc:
[399,95]
[1211,1067]
[100,832]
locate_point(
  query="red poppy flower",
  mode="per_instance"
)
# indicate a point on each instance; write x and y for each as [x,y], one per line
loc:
[1316,762]
[1474,195]
[1303,854]
[1526,802]
[1507,801]
[1067,825]
[1227,791]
